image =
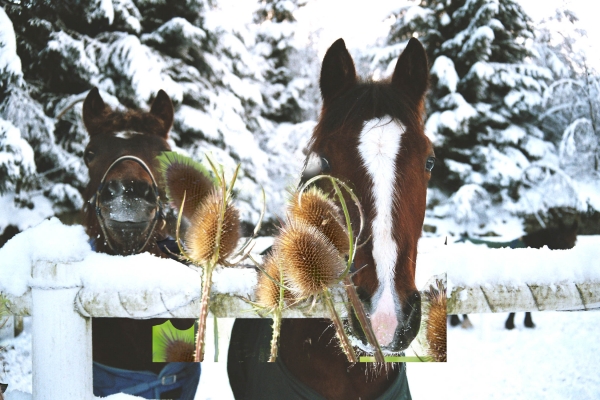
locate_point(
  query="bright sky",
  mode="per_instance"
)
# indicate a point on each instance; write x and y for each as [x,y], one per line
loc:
[361,23]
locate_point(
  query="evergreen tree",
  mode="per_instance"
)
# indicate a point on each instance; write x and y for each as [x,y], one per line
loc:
[482,106]
[130,49]
[287,82]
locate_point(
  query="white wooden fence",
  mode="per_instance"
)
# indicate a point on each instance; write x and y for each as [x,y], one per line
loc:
[62,296]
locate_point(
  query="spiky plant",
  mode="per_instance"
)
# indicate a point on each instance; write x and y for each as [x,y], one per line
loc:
[271,296]
[211,238]
[214,221]
[310,260]
[312,264]
[325,215]
[436,322]
[314,208]
[172,345]
[183,175]
[210,232]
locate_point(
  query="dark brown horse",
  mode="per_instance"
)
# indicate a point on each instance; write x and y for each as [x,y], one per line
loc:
[123,213]
[370,135]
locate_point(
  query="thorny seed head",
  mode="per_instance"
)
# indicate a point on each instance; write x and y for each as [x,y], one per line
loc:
[201,237]
[309,259]
[436,323]
[267,292]
[314,208]
[184,175]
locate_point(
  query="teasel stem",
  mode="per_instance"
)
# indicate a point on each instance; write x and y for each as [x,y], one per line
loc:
[339,328]
[277,323]
[211,264]
[363,320]
[206,284]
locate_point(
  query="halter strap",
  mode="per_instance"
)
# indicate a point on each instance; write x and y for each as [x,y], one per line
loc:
[158,208]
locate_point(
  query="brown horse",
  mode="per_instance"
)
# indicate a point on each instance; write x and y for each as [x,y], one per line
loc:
[123,214]
[370,135]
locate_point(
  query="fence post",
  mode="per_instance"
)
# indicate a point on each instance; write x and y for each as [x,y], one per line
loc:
[61,337]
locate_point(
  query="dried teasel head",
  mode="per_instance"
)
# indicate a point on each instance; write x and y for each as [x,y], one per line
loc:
[178,350]
[183,175]
[201,237]
[174,345]
[267,291]
[316,209]
[436,323]
[309,259]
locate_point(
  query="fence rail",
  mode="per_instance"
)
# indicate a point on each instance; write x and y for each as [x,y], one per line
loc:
[63,295]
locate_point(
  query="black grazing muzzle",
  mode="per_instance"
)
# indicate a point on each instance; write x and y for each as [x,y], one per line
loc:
[127,211]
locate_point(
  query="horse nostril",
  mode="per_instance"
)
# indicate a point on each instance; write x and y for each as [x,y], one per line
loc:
[112,189]
[143,190]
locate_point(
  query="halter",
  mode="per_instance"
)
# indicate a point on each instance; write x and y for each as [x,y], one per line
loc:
[158,209]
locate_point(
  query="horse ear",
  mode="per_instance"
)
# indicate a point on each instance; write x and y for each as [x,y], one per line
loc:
[411,74]
[337,72]
[93,110]
[163,109]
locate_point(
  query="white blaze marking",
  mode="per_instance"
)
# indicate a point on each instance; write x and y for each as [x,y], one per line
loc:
[379,144]
[127,134]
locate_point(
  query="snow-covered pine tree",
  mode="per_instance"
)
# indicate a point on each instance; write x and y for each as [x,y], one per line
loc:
[130,49]
[482,106]
[286,83]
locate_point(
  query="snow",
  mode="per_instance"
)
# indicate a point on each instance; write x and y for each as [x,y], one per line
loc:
[10,63]
[73,56]
[61,243]
[140,67]
[511,267]
[513,134]
[455,119]
[539,148]
[479,41]
[190,120]
[443,68]
[502,166]
[554,361]
[101,273]
[16,156]
[24,217]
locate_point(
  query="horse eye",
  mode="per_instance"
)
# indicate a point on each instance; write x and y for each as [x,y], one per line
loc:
[429,164]
[88,156]
[325,168]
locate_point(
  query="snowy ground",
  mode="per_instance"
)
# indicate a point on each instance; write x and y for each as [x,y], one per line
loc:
[556,360]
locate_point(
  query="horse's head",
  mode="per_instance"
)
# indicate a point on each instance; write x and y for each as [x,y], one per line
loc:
[371,135]
[123,212]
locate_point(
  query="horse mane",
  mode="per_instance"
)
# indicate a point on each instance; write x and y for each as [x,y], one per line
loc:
[134,120]
[365,101]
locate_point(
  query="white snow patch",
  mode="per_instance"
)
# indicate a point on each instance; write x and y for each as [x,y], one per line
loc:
[10,63]
[443,68]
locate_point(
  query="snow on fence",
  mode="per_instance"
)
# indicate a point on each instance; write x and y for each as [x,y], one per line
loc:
[483,280]
[50,273]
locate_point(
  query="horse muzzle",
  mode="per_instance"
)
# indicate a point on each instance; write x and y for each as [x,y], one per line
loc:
[128,209]
[395,331]
[128,214]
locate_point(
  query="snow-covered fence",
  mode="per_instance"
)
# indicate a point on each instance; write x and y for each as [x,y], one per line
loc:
[50,273]
[483,280]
